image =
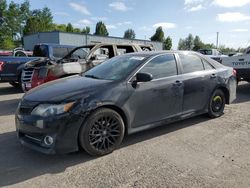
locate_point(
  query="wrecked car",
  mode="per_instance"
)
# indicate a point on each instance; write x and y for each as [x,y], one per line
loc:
[78,60]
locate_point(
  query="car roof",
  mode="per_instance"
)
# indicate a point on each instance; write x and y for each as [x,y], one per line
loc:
[153,53]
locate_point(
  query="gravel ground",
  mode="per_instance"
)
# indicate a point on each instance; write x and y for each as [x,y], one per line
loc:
[199,152]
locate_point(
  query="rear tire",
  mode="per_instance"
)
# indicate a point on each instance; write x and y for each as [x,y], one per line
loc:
[102,132]
[216,104]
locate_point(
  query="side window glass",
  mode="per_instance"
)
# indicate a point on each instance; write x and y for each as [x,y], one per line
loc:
[103,53]
[124,49]
[207,65]
[161,66]
[146,48]
[191,63]
[79,54]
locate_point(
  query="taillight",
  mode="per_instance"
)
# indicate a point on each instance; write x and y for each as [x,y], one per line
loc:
[234,72]
[1,65]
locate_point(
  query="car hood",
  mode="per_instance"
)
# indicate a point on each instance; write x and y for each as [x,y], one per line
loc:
[42,61]
[64,88]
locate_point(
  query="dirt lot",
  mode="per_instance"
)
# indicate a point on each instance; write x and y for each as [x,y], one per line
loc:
[199,152]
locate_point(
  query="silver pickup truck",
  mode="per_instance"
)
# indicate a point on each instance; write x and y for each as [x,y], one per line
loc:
[241,63]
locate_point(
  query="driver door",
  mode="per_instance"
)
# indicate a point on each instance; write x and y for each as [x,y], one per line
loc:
[160,98]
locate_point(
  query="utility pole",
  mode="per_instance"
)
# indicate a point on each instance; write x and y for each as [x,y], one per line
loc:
[217,40]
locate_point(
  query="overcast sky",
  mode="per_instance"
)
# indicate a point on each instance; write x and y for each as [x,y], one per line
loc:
[231,18]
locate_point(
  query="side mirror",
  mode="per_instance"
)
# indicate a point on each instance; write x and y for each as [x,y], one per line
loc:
[144,77]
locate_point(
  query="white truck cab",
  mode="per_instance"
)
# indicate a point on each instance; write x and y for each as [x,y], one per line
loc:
[241,63]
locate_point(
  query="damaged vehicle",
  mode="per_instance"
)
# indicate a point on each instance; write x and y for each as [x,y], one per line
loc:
[11,67]
[78,60]
[123,95]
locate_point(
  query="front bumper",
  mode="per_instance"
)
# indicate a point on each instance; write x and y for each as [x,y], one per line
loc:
[32,130]
[8,78]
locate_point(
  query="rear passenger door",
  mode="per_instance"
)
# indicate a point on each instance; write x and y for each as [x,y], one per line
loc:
[197,77]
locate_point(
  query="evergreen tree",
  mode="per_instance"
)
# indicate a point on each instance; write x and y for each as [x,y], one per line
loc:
[198,44]
[158,36]
[69,28]
[101,29]
[129,34]
[86,30]
[167,44]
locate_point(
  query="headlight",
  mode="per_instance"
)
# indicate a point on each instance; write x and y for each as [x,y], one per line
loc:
[46,110]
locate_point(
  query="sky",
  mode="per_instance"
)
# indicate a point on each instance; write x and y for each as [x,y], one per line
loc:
[231,18]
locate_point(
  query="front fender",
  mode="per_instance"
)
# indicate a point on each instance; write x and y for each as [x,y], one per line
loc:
[20,69]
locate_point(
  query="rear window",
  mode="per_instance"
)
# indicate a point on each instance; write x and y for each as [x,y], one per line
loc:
[40,51]
[191,63]
[206,52]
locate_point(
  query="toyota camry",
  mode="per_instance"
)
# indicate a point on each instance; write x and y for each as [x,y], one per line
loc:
[124,95]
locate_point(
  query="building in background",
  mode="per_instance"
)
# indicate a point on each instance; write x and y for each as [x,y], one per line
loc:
[77,39]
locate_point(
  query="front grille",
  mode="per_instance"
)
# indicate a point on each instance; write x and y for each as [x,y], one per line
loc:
[26,107]
[25,110]
[27,75]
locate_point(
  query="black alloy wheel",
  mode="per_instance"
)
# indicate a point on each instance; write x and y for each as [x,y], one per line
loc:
[102,132]
[217,104]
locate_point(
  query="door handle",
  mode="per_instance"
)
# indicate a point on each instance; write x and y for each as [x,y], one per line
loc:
[213,76]
[177,83]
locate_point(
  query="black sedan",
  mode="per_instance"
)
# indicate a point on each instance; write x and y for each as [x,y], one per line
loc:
[124,95]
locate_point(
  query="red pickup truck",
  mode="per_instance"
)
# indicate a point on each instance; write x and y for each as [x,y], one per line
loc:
[78,60]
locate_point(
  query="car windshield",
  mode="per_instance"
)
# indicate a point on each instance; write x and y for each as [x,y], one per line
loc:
[116,68]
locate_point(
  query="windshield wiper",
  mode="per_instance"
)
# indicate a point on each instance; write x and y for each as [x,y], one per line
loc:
[91,76]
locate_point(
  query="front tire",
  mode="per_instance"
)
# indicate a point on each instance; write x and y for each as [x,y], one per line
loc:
[102,132]
[216,104]
[15,84]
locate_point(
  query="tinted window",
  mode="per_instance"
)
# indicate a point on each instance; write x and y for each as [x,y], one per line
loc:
[206,52]
[207,65]
[116,68]
[191,63]
[41,51]
[161,66]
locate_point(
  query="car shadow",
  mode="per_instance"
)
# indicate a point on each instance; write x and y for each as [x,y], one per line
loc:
[8,107]
[19,164]
[243,93]
[7,90]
